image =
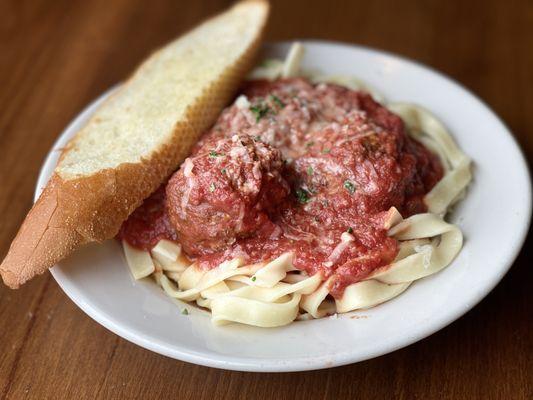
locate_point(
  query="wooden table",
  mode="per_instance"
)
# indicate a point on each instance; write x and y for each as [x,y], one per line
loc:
[58,55]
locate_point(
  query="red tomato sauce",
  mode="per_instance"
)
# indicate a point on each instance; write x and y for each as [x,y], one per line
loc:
[293,166]
[149,223]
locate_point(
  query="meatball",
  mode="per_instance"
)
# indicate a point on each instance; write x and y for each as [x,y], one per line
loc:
[367,161]
[224,192]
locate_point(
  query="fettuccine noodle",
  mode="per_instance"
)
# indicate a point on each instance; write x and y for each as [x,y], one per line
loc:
[275,293]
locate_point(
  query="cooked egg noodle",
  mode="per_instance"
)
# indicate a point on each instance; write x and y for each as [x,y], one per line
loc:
[275,293]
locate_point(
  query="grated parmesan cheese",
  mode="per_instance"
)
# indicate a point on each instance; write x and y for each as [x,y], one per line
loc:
[426,250]
[242,102]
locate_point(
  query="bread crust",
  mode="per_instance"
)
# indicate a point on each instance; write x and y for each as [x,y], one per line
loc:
[72,212]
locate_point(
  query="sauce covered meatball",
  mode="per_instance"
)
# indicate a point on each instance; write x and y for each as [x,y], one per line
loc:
[224,192]
[346,160]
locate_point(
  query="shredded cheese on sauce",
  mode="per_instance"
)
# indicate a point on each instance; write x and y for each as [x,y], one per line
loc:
[275,293]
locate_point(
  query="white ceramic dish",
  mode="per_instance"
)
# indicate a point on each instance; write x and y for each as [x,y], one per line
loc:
[494,218]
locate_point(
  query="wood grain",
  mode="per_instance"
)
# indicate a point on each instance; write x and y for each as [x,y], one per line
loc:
[58,55]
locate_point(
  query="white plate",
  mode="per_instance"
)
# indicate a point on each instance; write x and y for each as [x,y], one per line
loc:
[494,218]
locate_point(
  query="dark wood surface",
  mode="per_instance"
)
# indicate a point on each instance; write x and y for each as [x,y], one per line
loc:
[58,55]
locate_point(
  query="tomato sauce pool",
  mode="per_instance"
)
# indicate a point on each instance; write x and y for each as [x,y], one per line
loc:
[293,166]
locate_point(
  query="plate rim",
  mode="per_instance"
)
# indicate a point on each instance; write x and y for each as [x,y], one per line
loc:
[300,364]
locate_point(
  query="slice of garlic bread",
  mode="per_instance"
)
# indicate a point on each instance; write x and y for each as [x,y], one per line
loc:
[136,139]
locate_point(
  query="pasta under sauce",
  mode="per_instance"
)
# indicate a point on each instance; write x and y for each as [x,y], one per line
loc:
[296,167]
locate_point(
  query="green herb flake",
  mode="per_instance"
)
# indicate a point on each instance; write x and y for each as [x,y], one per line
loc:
[259,111]
[349,186]
[212,187]
[309,144]
[268,63]
[302,195]
[309,170]
[326,151]
[349,230]
[185,311]
[214,154]
[277,100]
[223,170]
[254,278]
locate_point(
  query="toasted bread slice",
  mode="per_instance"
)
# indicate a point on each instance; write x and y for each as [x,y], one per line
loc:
[136,139]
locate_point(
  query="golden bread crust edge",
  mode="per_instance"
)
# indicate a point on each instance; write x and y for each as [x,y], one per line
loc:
[70,213]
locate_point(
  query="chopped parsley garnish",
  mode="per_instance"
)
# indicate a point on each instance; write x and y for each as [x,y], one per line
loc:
[349,230]
[253,278]
[309,170]
[214,154]
[259,111]
[268,62]
[185,311]
[276,100]
[309,144]
[212,187]
[223,170]
[326,151]
[257,138]
[302,195]
[349,186]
